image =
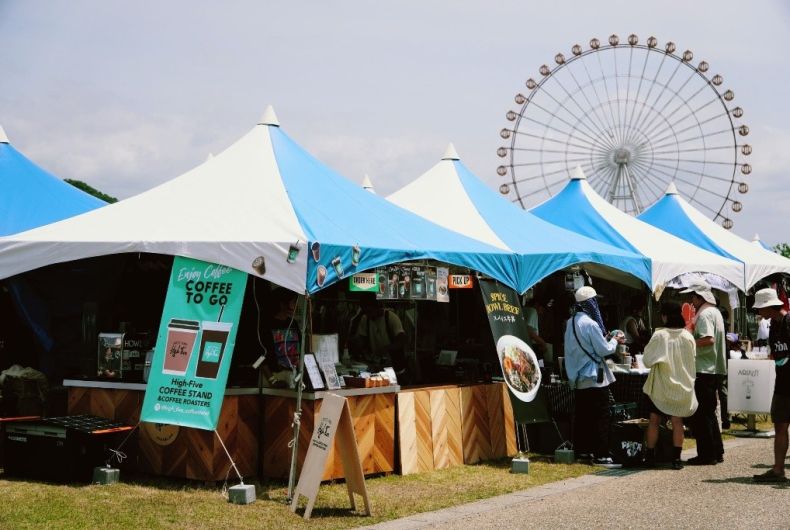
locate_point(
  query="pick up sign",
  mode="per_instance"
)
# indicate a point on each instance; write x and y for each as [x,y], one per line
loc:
[460,281]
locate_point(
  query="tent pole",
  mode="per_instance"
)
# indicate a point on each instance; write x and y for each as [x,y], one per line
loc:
[298,409]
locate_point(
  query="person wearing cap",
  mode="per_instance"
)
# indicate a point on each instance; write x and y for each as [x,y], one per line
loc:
[586,346]
[711,363]
[769,306]
[633,325]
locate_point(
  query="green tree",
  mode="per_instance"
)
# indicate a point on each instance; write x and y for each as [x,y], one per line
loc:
[92,191]
[783,249]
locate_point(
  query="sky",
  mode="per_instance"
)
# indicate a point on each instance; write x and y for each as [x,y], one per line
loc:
[126,95]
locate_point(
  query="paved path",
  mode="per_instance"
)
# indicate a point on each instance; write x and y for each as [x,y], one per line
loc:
[721,496]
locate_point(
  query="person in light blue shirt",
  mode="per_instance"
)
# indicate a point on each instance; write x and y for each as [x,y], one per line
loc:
[586,346]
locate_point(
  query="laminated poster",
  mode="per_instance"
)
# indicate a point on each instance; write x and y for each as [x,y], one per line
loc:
[194,345]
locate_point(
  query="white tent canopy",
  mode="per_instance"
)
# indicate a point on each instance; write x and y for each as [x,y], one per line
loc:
[579,208]
[675,215]
[451,196]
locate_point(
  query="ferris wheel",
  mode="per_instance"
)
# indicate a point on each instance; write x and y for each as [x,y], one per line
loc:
[635,117]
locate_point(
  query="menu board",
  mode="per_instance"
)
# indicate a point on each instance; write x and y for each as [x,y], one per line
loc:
[313,372]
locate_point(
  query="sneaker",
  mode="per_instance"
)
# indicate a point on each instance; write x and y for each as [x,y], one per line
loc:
[606,462]
[769,476]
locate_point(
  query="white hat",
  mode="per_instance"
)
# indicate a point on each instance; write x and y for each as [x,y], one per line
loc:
[766,298]
[702,289]
[585,293]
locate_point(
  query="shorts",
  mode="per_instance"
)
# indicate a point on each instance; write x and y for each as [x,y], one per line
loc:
[780,409]
[651,407]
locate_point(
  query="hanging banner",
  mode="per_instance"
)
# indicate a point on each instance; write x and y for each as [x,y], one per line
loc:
[189,370]
[519,364]
[364,282]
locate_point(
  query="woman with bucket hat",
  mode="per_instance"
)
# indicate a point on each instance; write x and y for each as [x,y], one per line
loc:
[586,346]
[768,305]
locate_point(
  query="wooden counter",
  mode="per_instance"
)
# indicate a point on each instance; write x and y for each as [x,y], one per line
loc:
[373,416]
[169,450]
[444,426]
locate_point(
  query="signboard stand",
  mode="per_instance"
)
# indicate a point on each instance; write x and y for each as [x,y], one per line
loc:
[750,388]
[334,419]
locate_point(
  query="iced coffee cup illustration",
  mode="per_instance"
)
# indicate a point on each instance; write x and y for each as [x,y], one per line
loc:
[212,346]
[315,248]
[320,275]
[356,253]
[181,336]
[338,266]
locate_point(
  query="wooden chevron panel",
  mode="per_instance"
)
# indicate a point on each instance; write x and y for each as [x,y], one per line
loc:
[414,432]
[384,448]
[509,422]
[474,424]
[407,434]
[422,411]
[439,429]
[496,426]
[455,448]
[79,401]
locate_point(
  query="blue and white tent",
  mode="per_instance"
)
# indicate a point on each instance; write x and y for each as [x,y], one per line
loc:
[452,196]
[675,215]
[257,199]
[580,209]
[760,243]
[33,197]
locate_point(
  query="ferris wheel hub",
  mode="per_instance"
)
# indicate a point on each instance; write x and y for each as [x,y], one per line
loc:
[622,156]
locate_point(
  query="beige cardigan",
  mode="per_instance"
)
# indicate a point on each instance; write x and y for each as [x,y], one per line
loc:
[670,357]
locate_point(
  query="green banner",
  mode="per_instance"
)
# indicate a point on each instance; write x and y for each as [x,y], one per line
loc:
[519,364]
[189,370]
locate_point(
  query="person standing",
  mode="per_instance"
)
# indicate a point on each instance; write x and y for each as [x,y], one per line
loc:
[670,355]
[586,346]
[769,306]
[377,336]
[533,311]
[711,363]
[633,325]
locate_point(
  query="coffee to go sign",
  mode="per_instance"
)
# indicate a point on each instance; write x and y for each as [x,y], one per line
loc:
[460,281]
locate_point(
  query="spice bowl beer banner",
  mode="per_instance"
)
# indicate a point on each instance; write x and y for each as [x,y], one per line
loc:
[518,362]
[194,345]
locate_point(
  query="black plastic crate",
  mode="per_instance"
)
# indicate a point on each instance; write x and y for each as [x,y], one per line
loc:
[62,449]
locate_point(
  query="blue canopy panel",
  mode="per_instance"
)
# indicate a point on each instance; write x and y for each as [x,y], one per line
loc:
[340,214]
[544,247]
[668,215]
[32,197]
[570,209]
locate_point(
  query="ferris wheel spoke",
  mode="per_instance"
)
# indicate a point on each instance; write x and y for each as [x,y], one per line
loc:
[620,120]
[653,83]
[551,140]
[592,127]
[636,98]
[611,124]
[696,150]
[653,178]
[693,112]
[592,139]
[608,98]
[700,174]
[676,93]
[593,109]
[654,105]
[552,151]
[543,175]
[698,137]
[550,162]
[698,125]
[694,161]
[646,181]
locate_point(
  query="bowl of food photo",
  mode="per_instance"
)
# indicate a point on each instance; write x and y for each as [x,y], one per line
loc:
[519,367]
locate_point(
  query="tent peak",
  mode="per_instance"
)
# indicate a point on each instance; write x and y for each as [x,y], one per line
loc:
[671,189]
[578,174]
[756,237]
[209,157]
[269,117]
[367,184]
[450,153]
[3,137]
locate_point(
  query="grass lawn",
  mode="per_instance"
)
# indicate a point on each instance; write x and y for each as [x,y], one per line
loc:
[145,502]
